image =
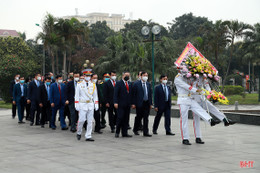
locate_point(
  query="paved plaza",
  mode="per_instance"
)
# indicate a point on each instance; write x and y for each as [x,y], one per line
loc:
[26,149]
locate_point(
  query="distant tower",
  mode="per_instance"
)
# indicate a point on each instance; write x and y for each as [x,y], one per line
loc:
[77,11]
[131,15]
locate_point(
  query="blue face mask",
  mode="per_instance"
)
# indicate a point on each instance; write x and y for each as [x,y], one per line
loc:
[106,79]
[48,83]
[21,81]
[51,77]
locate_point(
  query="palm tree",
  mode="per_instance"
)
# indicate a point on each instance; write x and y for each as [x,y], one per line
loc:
[236,30]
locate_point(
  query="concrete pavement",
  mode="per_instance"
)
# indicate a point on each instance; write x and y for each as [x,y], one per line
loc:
[27,149]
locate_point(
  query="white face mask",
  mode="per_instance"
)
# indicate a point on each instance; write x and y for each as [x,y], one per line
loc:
[17,78]
[76,79]
[87,78]
[60,81]
[39,78]
[94,80]
[113,77]
[145,78]
[164,81]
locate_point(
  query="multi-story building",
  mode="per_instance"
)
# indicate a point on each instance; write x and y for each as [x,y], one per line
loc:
[7,33]
[114,21]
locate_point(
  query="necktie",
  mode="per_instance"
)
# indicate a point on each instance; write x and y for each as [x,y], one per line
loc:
[114,83]
[145,92]
[48,92]
[127,87]
[59,91]
[165,92]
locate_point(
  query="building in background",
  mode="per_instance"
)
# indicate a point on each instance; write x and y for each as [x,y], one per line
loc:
[114,21]
[7,33]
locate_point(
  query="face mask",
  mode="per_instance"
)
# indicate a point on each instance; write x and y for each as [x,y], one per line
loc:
[39,78]
[51,77]
[106,79]
[21,81]
[145,78]
[76,79]
[139,77]
[94,80]
[113,77]
[126,78]
[17,78]
[60,81]
[87,78]
[48,83]
[164,81]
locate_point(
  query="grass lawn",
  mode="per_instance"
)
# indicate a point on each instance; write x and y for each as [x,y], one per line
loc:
[5,105]
[250,99]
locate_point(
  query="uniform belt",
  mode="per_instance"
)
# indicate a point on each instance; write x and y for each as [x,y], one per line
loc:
[184,95]
[85,101]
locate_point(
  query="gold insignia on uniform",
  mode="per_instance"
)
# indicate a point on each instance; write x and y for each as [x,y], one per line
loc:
[177,75]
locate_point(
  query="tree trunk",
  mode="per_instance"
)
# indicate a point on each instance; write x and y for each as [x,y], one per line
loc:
[64,64]
[69,63]
[52,60]
[57,62]
[230,59]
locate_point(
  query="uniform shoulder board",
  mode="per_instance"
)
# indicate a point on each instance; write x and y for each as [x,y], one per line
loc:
[101,82]
[79,82]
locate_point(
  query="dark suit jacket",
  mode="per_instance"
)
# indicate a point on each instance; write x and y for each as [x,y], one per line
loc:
[138,93]
[12,83]
[121,96]
[33,91]
[17,92]
[108,92]
[159,97]
[70,92]
[43,95]
[55,94]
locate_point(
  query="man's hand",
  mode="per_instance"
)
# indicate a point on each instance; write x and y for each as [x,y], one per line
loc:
[100,105]
[107,105]
[14,103]
[151,107]
[67,102]
[52,105]
[28,101]
[133,106]
[116,106]
[41,105]
[156,109]
[198,90]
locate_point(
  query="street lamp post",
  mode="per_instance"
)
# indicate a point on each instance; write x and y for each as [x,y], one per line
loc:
[43,53]
[156,29]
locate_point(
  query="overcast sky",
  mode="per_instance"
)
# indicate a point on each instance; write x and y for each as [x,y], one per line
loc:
[21,15]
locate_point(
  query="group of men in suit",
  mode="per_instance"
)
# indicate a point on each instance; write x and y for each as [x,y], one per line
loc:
[47,96]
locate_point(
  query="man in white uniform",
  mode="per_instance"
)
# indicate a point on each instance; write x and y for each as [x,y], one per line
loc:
[86,100]
[186,102]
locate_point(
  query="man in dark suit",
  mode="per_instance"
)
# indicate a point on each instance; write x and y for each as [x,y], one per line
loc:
[28,106]
[142,101]
[57,99]
[70,100]
[44,100]
[32,98]
[122,102]
[19,98]
[162,104]
[108,92]
[13,82]
[101,99]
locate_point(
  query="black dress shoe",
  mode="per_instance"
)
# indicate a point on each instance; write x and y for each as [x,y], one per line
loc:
[155,133]
[147,135]
[199,141]
[136,133]
[53,128]
[99,132]
[186,142]
[78,136]
[170,133]
[31,123]
[113,131]
[129,128]
[37,124]
[90,140]
[73,130]
[102,126]
[42,126]
[127,136]
[228,122]
[116,135]
[213,122]
[21,122]
[64,128]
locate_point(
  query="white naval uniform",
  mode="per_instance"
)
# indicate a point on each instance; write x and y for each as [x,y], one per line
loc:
[86,100]
[205,104]
[186,103]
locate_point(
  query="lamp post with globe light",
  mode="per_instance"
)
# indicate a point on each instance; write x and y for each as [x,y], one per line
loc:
[155,35]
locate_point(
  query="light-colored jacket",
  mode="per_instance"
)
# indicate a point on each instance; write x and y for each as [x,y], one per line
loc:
[198,84]
[86,96]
